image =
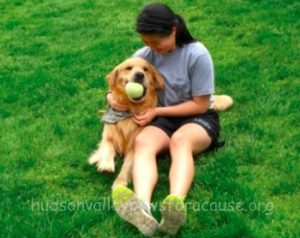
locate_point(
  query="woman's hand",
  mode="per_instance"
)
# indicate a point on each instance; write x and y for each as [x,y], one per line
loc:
[145,117]
[114,104]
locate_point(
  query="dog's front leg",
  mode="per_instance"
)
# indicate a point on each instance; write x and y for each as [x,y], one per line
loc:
[125,174]
[105,154]
[104,157]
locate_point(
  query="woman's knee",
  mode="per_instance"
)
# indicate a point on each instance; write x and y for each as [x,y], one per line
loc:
[178,141]
[191,138]
[142,141]
[151,140]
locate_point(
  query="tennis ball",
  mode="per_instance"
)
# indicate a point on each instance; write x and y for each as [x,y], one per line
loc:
[134,90]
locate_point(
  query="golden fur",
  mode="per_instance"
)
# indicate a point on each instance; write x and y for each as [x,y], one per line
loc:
[119,138]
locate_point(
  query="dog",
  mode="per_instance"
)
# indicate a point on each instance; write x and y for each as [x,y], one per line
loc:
[120,131]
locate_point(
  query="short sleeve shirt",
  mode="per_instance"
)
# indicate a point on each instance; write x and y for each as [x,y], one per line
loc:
[188,71]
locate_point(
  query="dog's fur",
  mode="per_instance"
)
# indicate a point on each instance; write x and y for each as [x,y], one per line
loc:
[119,138]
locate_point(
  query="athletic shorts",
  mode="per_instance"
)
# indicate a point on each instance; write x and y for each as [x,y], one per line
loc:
[209,121]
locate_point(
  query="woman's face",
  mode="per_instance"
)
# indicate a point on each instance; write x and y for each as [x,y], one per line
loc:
[160,44]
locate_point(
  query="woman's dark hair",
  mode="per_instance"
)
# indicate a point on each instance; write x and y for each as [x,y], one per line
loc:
[158,18]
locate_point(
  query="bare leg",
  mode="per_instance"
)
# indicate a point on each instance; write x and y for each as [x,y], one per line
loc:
[134,207]
[190,138]
[187,140]
[150,141]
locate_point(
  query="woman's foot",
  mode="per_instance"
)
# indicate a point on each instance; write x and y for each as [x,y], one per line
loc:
[133,210]
[173,214]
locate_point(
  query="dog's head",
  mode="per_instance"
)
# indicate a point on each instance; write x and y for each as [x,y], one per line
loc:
[136,70]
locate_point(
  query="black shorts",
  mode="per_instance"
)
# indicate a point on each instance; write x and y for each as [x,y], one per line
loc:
[209,121]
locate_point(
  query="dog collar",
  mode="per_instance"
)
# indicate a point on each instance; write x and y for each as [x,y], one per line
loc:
[112,116]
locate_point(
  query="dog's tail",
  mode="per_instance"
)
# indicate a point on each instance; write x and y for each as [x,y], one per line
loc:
[222,103]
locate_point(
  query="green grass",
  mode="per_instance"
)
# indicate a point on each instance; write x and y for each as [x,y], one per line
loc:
[54,56]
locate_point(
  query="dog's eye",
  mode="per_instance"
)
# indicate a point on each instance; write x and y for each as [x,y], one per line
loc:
[145,69]
[128,68]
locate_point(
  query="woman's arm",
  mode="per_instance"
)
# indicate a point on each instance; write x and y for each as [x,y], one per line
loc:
[198,105]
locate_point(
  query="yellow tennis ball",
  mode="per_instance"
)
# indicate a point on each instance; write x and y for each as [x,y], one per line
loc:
[134,90]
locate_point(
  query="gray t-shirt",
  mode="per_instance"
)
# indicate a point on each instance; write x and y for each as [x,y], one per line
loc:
[188,71]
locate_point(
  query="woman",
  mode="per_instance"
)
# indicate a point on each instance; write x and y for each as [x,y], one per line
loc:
[182,122]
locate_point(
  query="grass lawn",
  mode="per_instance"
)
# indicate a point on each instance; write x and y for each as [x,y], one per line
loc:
[54,56]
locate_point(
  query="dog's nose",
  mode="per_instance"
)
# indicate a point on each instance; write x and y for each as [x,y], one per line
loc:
[139,77]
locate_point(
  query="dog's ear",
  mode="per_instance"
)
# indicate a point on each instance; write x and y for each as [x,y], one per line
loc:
[112,77]
[159,82]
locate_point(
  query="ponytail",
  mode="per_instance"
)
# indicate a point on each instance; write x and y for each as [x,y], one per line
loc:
[183,36]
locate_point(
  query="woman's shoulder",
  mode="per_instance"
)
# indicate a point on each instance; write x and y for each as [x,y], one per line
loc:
[197,54]
[196,49]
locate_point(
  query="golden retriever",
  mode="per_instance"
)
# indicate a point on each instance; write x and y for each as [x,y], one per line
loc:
[118,137]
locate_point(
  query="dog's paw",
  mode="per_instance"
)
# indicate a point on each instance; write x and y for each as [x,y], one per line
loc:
[106,165]
[95,158]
